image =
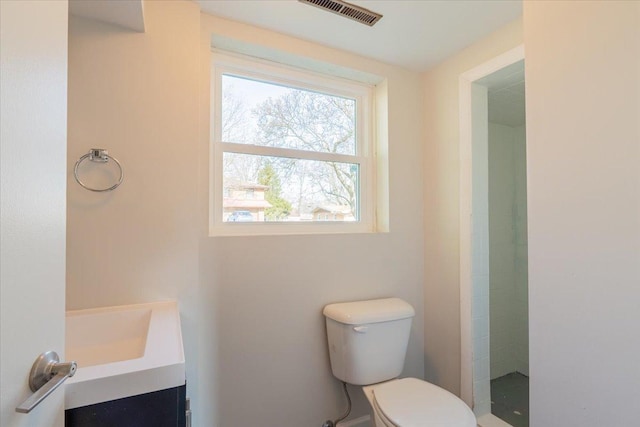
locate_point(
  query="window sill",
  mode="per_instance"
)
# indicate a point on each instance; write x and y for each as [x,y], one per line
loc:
[287,229]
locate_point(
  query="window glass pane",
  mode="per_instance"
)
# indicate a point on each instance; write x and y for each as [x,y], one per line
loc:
[262,188]
[260,113]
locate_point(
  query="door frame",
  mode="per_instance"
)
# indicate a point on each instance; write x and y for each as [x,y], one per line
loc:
[466,87]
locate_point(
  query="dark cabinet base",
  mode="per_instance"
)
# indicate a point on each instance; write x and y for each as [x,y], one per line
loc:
[164,408]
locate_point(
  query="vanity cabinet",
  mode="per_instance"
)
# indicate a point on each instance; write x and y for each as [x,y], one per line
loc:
[164,408]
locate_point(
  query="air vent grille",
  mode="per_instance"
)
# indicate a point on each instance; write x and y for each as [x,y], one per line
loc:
[347,10]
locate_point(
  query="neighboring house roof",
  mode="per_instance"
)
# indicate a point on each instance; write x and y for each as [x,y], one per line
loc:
[341,209]
[247,186]
[245,203]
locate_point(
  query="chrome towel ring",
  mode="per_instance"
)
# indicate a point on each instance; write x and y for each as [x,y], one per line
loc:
[99,155]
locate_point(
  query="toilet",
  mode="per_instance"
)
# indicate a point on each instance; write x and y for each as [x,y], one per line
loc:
[367,347]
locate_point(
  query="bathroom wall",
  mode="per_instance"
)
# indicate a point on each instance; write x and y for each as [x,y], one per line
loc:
[251,306]
[264,295]
[583,152]
[135,94]
[441,192]
[507,250]
[521,279]
[501,248]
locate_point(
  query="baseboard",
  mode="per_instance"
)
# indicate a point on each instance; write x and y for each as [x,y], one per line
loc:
[363,421]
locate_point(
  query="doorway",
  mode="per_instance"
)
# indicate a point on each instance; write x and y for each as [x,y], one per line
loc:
[493,243]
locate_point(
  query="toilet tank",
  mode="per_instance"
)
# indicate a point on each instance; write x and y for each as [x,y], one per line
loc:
[368,339]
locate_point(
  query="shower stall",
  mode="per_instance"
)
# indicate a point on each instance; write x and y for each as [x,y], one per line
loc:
[493,242]
[508,290]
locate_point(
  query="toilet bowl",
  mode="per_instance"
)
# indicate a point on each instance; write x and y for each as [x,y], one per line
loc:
[367,343]
[410,402]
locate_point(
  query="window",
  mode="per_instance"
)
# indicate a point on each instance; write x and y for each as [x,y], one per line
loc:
[291,147]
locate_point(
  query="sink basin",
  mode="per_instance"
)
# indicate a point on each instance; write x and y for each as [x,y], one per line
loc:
[90,343]
[123,351]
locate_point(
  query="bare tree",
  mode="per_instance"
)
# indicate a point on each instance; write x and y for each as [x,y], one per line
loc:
[236,127]
[312,121]
[235,115]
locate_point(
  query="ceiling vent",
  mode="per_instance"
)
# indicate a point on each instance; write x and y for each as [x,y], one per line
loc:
[347,10]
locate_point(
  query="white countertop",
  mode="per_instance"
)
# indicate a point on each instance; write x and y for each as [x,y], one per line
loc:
[123,351]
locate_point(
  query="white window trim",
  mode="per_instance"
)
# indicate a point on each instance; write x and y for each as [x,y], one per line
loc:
[227,63]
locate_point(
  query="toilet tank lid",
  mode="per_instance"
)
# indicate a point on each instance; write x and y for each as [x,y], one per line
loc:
[371,311]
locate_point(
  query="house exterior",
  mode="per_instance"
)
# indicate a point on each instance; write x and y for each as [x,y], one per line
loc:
[245,197]
[333,213]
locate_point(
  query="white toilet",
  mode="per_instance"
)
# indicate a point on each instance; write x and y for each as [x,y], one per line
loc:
[367,346]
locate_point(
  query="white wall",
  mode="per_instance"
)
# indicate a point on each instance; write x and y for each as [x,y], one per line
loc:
[251,306]
[441,190]
[501,248]
[583,149]
[507,250]
[264,295]
[136,94]
[480,308]
[521,279]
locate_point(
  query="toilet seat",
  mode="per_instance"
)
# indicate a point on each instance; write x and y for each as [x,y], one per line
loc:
[410,402]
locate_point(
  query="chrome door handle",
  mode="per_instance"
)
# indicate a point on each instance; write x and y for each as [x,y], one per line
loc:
[47,373]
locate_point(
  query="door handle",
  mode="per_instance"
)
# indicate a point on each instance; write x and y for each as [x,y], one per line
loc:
[47,374]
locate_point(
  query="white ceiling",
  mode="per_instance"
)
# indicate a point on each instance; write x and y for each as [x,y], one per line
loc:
[413,34]
[124,13]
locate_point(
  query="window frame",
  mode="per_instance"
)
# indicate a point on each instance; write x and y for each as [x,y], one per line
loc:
[261,70]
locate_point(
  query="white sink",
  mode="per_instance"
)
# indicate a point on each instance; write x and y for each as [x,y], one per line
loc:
[123,351]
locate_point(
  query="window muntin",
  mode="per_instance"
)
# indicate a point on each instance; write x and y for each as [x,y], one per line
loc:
[298,141]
